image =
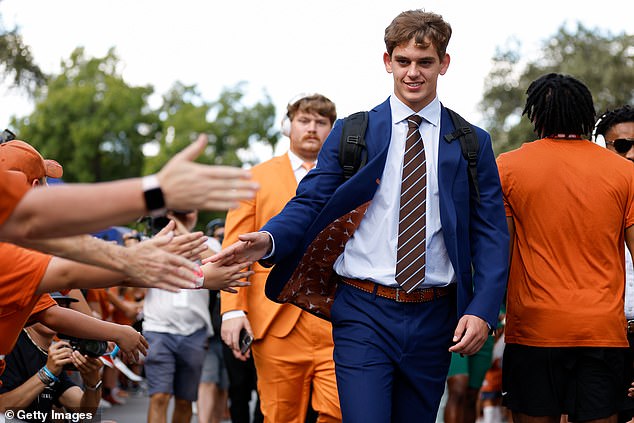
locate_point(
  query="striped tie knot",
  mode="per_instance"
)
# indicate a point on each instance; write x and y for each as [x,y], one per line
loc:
[414,121]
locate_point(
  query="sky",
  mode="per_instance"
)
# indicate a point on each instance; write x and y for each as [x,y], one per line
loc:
[285,47]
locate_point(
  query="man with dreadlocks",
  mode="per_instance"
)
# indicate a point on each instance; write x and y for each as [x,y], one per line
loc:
[570,210]
[615,131]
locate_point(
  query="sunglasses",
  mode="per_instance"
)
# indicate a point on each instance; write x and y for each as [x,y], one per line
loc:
[621,145]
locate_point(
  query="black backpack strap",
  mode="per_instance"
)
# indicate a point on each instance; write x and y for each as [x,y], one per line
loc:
[469,144]
[352,151]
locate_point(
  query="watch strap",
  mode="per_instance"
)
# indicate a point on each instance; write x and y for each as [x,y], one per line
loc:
[153,195]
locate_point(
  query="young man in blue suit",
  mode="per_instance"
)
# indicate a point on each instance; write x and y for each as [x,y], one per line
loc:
[422,267]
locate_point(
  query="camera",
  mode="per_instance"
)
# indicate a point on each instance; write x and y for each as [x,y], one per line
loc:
[90,347]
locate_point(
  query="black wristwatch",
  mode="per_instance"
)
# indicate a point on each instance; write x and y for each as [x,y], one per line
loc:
[154,200]
[94,388]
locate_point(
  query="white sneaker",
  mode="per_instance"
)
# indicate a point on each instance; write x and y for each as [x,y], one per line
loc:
[104,404]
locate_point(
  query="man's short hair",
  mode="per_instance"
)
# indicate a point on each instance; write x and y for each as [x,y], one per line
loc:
[314,103]
[424,28]
[22,157]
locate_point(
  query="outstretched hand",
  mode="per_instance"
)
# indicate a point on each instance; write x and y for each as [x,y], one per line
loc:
[187,185]
[150,266]
[189,245]
[251,247]
[226,274]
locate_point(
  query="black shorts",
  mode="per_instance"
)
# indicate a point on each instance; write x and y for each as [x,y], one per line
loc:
[586,383]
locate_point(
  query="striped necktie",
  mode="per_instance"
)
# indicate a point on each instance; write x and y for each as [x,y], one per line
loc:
[410,253]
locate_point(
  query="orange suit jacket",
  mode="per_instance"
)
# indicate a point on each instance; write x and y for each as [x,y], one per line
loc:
[277,186]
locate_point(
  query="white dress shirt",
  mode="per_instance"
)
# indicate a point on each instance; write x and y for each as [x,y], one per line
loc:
[370,254]
[296,164]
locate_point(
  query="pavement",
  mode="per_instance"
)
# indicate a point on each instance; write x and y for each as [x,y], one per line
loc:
[135,411]
[136,406]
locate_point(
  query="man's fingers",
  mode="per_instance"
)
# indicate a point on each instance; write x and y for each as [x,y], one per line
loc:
[166,229]
[193,150]
[229,290]
[460,329]
[177,262]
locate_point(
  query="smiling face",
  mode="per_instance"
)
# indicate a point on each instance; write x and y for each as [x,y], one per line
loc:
[415,71]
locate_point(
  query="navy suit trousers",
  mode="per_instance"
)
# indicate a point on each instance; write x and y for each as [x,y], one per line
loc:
[391,359]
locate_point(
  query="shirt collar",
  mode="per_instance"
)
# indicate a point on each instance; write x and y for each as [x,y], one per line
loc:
[400,112]
[296,162]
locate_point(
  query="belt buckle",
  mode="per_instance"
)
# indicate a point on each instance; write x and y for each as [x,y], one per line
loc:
[630,326]
[397,297]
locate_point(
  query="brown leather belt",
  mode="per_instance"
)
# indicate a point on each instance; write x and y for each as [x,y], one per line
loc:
[398,294]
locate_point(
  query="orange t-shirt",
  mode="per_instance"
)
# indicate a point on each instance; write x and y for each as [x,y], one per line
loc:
[99,295]
[22,271]
[570,201]
[13,186]
[119,316]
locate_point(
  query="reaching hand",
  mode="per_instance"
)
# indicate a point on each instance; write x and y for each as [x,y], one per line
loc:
[230,333]
[250,247]
[187,185]
[225,274]
[187,245]
[470,335]
[150,266]
[131,342]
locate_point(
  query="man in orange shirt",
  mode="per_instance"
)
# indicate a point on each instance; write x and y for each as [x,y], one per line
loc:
[292,348]
[570,210]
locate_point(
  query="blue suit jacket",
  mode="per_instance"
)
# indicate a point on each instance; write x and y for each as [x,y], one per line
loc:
[476,235]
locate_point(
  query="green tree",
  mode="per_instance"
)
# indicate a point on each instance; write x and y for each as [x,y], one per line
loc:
[230,125]
[16,61]
[602,60]
[90,120]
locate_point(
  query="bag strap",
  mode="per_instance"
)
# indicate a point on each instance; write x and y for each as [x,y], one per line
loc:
[352,150]
[469,145]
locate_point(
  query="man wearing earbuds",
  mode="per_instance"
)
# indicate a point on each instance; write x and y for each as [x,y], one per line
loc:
[292,348]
